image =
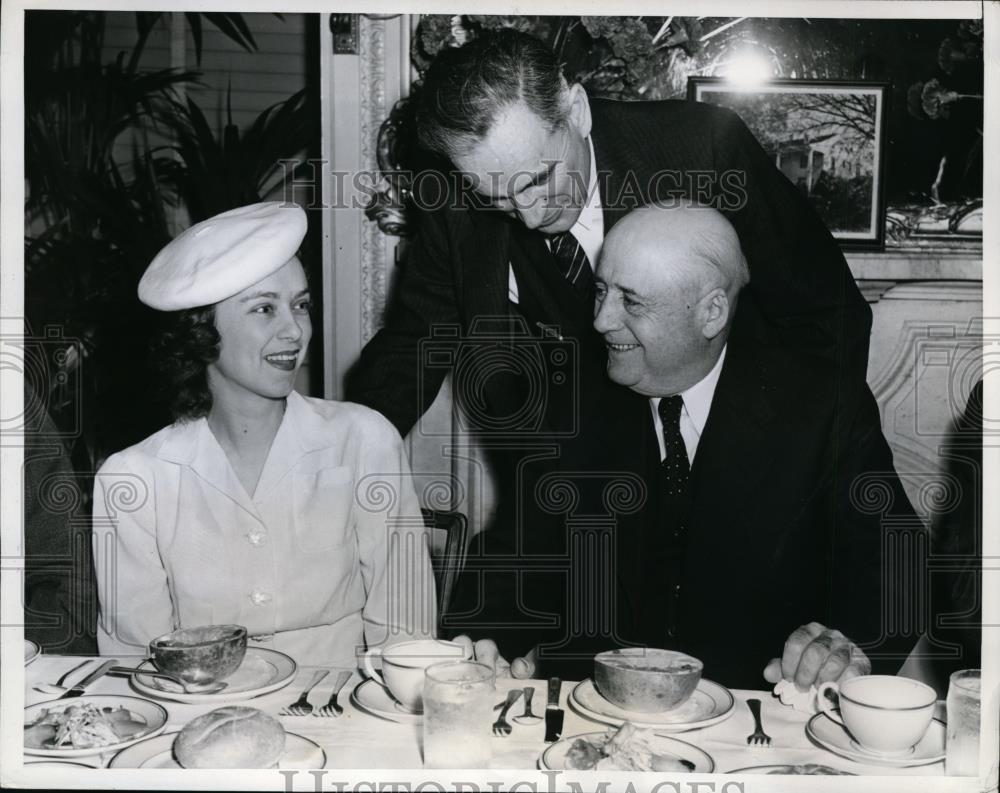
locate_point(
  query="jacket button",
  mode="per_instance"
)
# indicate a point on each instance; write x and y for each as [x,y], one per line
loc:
[257,538]
[672,631]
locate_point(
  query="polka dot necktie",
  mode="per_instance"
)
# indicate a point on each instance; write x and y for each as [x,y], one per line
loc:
[572,260]
[675,465]
[668,548]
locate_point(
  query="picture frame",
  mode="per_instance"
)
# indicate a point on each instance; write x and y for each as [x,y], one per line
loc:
[828,137]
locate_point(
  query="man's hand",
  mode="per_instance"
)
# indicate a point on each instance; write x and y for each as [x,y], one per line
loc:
[485,652]
[815,654]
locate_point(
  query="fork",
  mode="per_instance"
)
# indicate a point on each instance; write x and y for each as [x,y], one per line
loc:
[332,708]
[527,717]
[501,726]
[759,736]
[58,687]
[301,706]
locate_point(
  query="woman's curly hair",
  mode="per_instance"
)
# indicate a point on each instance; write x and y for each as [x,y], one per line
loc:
[182,352]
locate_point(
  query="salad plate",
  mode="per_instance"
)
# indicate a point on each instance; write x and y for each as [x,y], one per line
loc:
[698,761]
[89,725]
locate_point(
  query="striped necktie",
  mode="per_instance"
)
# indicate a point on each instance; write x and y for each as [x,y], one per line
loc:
[572,261]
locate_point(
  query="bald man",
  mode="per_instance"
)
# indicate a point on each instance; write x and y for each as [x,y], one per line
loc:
[762,545]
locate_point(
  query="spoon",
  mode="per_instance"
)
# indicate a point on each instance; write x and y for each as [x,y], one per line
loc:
[189,688]
[58,687]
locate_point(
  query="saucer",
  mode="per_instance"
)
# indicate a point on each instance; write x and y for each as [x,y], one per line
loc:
[371,696]
[261,672]
[709,704]
[157,752]
[833,737]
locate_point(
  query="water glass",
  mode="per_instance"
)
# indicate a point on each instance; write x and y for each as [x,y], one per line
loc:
[962,748]
[458,714]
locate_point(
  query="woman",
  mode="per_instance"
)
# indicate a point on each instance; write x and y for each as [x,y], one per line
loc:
[292,516]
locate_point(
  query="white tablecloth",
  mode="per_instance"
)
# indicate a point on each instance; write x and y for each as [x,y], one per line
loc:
[359,740]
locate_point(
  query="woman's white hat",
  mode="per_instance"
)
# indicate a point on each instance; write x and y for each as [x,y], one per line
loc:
[223,255]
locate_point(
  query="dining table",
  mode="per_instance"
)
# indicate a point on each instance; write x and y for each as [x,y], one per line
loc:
[362,739]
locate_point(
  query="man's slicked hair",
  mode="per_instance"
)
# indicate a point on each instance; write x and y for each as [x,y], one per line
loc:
[467,87]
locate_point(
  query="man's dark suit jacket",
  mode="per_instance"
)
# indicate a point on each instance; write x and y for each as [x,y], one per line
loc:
[531,379]
[796,514]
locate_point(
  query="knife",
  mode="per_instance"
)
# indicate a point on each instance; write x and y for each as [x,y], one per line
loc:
[98,673]
[553,713]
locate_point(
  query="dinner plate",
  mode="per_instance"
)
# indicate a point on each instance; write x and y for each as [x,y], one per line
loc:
[554,758]
[371,696]
[800,769]
[261,672]
[31,651]
[64,764]
[833,737]
[154,716]
[709,704]
[300,752]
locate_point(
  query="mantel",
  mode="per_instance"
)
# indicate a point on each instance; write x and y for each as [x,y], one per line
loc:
[907,265]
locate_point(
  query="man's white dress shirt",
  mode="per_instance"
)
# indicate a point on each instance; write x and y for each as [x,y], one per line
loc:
[697,404]
[588,229]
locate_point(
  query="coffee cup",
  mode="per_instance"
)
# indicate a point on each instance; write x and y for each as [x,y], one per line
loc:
[403,667]
[884,714]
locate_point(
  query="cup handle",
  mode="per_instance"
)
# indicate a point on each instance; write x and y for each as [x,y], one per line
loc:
[825,704]
[366,661]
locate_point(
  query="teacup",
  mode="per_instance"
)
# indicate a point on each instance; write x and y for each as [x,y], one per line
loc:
[883,713]
[403,667]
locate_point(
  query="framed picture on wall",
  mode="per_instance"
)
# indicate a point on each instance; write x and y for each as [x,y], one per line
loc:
[828,138]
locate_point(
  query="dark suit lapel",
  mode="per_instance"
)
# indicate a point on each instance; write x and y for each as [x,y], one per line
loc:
[530,257]
[484,254]
[633,530]
[735,452]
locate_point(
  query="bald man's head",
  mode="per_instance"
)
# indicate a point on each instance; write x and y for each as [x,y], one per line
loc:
[668,281]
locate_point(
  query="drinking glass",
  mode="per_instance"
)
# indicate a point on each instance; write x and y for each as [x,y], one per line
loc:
[458,713]
[962,747]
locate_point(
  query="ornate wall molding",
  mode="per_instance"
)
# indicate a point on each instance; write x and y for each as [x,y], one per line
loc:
[375,107]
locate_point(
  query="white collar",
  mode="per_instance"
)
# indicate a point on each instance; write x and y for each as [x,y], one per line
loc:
[698,398]
[588,229]
[591,216]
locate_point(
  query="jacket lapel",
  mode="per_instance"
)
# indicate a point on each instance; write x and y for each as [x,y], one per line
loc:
[288,446]
[545,295]
[735,451]
[193,445]
[483,257]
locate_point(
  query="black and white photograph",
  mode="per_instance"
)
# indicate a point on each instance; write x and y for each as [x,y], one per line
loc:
[828,139]
[499,401]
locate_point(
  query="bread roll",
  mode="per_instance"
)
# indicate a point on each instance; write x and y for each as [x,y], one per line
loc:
[230,737]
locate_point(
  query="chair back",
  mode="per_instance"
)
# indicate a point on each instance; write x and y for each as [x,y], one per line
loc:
[447,552]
